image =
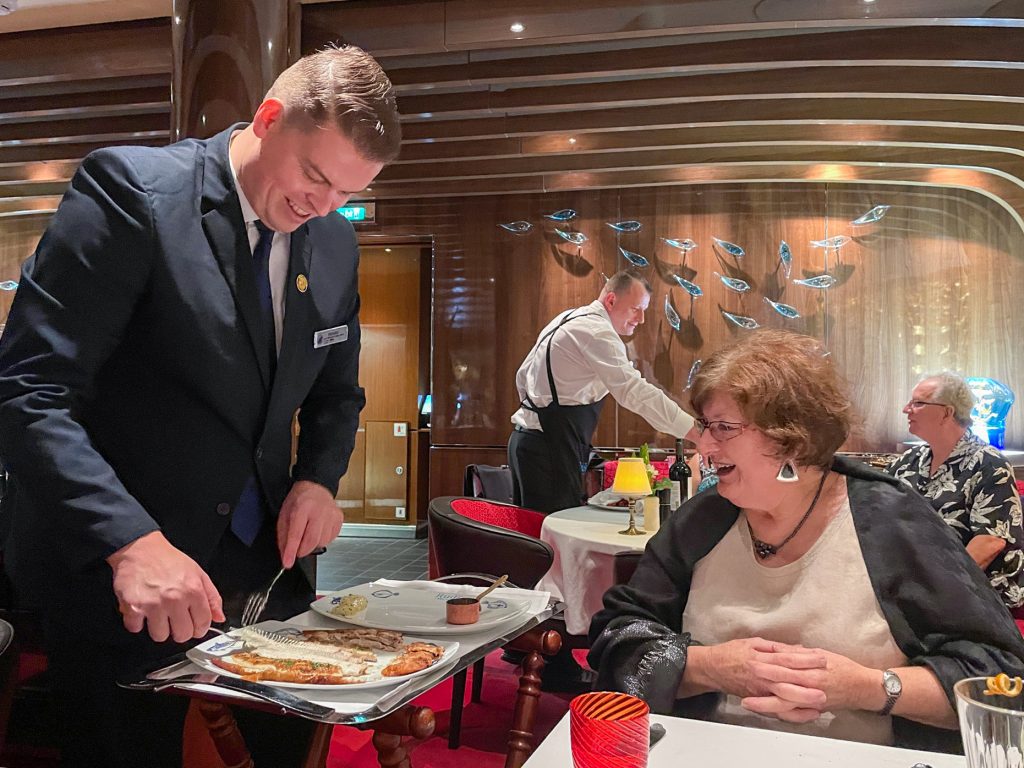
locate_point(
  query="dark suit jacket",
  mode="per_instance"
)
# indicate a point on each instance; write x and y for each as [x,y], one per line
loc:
[133,393]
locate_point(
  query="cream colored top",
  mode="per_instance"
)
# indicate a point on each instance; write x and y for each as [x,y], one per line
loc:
[823,600]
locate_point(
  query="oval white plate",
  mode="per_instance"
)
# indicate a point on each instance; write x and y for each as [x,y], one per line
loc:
[204,653]
[407,609]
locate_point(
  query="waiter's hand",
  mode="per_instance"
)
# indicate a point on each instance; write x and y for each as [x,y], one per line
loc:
[164,589]
[309,519]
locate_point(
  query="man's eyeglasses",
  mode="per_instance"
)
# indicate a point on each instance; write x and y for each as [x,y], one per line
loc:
[720,430]
[917,405]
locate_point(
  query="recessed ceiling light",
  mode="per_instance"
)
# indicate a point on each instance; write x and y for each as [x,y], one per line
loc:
[572,139]
[387,250]
[517,27]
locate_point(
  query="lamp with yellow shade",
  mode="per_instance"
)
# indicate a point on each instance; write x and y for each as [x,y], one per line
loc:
[631,482]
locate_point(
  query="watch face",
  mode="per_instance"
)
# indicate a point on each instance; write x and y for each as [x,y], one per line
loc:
[891,683]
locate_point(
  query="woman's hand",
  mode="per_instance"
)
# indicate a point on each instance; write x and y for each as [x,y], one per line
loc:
[843,683]
[748,667]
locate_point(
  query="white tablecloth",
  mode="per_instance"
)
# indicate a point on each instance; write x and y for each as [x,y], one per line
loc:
[712,745]
[585,540]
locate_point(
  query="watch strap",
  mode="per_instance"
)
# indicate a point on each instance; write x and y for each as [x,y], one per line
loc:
[891,698]
[889,704]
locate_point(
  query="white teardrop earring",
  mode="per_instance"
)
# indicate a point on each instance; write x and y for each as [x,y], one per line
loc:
[787,473]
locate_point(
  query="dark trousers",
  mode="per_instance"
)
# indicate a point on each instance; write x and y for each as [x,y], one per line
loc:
[103,725]
[541,479]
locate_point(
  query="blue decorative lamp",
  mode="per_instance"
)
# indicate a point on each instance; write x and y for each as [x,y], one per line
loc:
[992,403]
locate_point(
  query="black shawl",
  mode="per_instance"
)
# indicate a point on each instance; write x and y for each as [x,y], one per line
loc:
[940,608]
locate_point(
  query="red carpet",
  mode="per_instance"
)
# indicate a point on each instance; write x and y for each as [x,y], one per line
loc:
[485,725]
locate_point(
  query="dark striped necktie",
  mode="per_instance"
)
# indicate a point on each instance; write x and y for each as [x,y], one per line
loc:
[250,511]
[261,271]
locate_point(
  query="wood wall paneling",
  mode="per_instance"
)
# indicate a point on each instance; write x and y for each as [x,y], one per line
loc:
[419,475]
[923,289]
[389,317]
[352,486]
[387,473]
[448,465]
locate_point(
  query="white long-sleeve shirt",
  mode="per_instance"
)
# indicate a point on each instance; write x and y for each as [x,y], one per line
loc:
[588,361]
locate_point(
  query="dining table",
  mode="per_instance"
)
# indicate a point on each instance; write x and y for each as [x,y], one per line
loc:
[585,540]
[387,711]
[715,745]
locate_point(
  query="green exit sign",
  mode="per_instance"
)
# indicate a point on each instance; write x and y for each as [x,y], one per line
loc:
[363,213]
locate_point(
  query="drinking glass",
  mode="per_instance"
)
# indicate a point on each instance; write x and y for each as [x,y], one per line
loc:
[609,730]
[992,727]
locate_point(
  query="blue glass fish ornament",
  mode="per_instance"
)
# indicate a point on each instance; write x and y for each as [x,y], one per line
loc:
[694,370]
[875,214]
[783,309]
[821,281]
[731,248]
[833,242]
[8,285]
[785,258]
[686,245]
[743,322]
[576,238]
[625,226]
[634,258]
[673,317]
[734,284]
[691,288]
[566,214]
[517,227]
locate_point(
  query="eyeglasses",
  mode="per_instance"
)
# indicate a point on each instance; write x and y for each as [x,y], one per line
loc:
[720,430]
[917,405]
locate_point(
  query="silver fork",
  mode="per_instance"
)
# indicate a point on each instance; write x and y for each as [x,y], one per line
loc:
[256,603]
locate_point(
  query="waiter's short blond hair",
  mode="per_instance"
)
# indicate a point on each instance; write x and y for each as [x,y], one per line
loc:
[622,281]
[343,87]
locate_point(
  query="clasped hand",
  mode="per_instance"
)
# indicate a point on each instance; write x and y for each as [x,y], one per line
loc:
[790,682]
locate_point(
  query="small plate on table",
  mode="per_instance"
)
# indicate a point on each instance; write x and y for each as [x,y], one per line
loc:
[419,607]
[605,500]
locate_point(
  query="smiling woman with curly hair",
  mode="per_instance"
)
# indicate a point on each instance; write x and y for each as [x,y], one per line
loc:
[805,591]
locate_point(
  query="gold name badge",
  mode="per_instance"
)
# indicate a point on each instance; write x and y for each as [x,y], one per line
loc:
[301,283]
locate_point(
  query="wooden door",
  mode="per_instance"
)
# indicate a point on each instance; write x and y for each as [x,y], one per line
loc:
[387,472]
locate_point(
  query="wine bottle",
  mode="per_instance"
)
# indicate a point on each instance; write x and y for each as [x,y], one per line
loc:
[679,476]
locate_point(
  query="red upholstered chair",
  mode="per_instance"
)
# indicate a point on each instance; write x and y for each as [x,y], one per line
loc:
[488,513]
[489,538]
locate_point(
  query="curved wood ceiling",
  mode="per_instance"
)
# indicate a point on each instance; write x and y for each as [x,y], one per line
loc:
[592,94]
[66,92]
[598,94]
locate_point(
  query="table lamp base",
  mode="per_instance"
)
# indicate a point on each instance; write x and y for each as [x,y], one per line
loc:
[632,530]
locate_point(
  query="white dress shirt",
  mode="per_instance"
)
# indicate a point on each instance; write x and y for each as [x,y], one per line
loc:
[588,361]
[278,257]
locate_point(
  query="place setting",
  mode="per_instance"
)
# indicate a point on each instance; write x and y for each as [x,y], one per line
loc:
[359,652]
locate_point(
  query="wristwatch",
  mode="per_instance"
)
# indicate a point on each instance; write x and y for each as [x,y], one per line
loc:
[893,687]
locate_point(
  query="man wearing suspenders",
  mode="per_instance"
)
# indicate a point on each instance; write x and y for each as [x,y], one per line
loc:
[577,360]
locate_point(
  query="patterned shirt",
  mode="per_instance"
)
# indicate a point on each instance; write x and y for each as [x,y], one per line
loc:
[975,493]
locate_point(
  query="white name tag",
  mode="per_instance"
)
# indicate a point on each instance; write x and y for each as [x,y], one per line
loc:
[329,336]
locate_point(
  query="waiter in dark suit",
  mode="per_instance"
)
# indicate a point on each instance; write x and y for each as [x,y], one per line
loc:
[183,304]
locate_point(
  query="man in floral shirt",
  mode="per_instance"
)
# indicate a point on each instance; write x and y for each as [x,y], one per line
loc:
[966,480]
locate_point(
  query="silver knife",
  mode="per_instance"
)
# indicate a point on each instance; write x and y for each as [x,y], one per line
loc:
[276,696]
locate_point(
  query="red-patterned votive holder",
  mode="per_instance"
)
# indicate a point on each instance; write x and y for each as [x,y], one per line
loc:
[609,730]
